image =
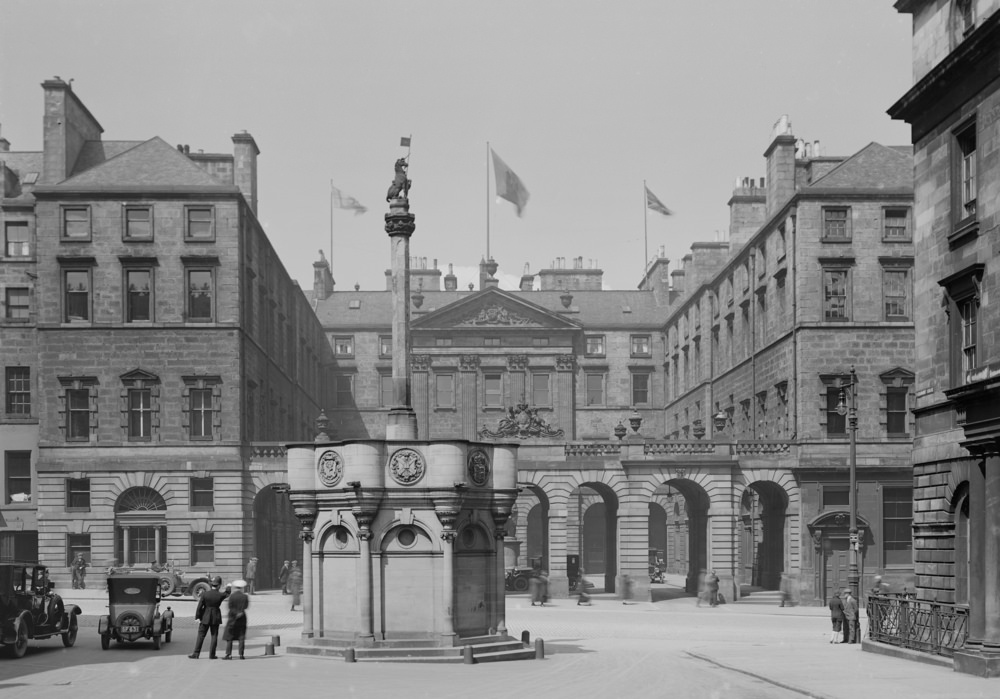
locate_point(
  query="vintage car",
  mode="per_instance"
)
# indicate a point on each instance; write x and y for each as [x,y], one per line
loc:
[134,611]
[29,609]
[172,580]
[517,579]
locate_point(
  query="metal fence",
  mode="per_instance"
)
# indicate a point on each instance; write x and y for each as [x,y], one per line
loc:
[930,627]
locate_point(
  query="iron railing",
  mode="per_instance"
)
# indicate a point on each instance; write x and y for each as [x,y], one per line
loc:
[930,627]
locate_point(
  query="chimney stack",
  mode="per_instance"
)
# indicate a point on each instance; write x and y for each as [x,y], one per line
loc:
[66,125]
[245,154]
[322,278]
[780,157]
[450,280]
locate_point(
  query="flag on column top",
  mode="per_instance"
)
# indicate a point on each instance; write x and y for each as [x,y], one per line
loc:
[509,185]
[343,201]
[653,202]
[405,141]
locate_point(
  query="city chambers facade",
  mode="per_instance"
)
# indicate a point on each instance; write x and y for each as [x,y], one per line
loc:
[696,416]
[157,355]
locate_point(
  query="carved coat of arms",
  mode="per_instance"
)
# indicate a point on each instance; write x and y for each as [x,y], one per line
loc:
[330,468]
[521,422]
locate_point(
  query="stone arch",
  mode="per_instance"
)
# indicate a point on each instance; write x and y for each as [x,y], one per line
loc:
[595,498]
[687,500]
[529,542]
[140,514]
[769,513]
[958,475]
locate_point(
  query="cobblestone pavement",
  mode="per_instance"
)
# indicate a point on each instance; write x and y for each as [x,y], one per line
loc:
[668,648]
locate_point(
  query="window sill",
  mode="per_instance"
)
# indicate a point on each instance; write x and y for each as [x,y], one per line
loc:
[202,508]
[835,241]
[201,439]
[137,240]
[965,230]
[445,409]
[77,509]
[897,240]
[199,240]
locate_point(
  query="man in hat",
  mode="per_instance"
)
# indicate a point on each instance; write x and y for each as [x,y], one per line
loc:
[236,624]
[209,616]
[851,616]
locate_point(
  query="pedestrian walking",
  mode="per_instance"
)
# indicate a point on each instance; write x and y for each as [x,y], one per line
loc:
[283,577]
[626,591]
[295,584]
[251,576]
[236,621]
[79,571]
[851,616]
[836,617]
[209,616]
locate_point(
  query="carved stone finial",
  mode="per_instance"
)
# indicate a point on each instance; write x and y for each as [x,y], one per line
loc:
[322,427]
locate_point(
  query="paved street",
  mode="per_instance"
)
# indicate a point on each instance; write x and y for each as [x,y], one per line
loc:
[667,648]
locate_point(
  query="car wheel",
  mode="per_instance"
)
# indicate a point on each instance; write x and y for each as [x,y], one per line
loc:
[156,641]
[69,636]
[105,641]
[520,584]
[20,646]
[199,589]
[167,585]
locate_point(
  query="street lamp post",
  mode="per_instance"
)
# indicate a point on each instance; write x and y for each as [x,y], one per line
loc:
[850,408]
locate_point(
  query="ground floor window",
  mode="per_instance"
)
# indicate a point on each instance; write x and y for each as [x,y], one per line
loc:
[141,545]
[202,548]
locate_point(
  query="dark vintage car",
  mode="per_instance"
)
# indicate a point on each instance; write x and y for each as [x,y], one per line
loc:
[517,579]
[134,611]
[173,580]
[29,609]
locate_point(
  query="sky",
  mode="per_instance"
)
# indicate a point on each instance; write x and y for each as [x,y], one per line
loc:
[585,100]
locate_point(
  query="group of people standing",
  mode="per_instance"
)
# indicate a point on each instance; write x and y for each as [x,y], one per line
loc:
[209,616]
[708,589]
[844,618]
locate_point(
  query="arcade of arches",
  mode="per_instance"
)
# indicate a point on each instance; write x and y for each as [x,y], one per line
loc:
[612,520]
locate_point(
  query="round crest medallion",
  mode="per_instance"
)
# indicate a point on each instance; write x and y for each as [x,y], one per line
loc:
[331,468]
[479,467]
[406,466]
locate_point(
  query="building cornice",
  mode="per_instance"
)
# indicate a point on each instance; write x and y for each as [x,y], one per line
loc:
[962,74]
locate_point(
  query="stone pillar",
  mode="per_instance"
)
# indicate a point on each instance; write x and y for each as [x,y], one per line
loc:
[365,584]
[399,225]
[564,395]
[156,545]
[556,554]
[991,559]
[720,547]
[448,583]
[308,586]
[633,543]
[468,400]
[500,603]
[125,545]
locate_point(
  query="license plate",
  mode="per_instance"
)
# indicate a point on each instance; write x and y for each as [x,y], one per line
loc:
[130,629]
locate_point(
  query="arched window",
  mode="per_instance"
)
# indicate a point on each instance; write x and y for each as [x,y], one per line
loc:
[140,527]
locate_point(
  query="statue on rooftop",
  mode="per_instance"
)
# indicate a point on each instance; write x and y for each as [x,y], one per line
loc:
[400,188]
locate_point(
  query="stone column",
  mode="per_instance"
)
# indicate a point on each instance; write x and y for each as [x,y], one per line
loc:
[307,583]
[564,395]
[991,559]
[399,225]
[365,579]
[720,552]
[500,604]
[125,545]
[448,583]
[156,545]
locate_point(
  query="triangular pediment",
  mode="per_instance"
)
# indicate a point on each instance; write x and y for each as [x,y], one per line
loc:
[493,309]
[139,375]
[154,163]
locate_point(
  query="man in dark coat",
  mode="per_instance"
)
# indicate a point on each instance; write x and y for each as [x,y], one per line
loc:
[283,578]
[851,617]
[236,624]
[836,617]
[209,616]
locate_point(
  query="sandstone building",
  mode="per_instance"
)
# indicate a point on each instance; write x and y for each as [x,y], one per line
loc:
[953,108]
[757,334]
[149,335]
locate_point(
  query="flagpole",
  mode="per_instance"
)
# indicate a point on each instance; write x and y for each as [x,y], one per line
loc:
[487,201]
[645,228]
